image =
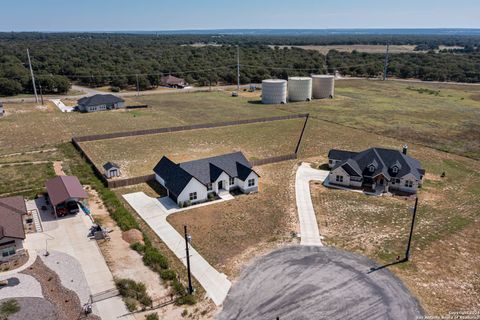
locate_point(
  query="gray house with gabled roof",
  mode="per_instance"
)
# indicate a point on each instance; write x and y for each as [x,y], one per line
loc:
[193,181]
[100,102]
[375,170]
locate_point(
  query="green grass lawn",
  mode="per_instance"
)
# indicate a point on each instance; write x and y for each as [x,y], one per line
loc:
[27,180]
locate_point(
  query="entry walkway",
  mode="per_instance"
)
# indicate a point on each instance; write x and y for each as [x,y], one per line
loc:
[309,234]
[153,213]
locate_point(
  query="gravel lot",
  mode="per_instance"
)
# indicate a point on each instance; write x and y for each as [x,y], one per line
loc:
[69,271]
[20,285]
[33,309]
[66,302]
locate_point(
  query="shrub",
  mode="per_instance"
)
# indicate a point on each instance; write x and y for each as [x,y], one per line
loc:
[187,299]
[137,246]
[115,89]
[130,303]
[154,259]
[9,307]
[178,288]
[168,274]
[151,316]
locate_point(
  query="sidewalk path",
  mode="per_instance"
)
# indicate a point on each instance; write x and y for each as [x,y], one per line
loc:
[215,284]
[309,233]
[60,105]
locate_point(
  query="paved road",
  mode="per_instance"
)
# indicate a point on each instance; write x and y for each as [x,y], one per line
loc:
[312,282]
[215,284]
[309,234]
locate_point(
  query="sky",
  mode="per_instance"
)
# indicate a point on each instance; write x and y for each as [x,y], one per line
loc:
[156,15]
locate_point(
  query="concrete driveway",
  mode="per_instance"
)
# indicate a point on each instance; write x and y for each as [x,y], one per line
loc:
[312,282]
[309,234]
[153,213]
[69,235]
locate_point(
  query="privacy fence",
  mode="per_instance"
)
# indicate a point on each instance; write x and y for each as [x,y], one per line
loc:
[117,183]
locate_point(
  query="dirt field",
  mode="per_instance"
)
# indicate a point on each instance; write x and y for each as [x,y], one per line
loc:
[138,155]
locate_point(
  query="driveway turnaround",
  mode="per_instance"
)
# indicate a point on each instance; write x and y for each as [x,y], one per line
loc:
[313,282]
[309,234]
[153,213]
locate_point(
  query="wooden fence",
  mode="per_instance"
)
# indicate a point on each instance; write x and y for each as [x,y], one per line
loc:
[184,128]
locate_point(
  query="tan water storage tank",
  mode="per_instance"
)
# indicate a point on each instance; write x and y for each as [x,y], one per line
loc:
[300,89]
[323,86]
[274,91]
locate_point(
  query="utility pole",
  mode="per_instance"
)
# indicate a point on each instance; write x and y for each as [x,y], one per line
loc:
[33,77]
[385,66]
[407,254]
[138,87]
[41,92]
[238,68]
[187,240]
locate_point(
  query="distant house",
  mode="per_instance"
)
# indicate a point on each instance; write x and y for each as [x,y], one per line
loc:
[12,232]
[64,192]
[173,82]
[376,170]
[111,169]
[100,102]
[192,182]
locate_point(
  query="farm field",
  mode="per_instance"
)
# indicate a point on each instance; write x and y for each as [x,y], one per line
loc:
[138,155]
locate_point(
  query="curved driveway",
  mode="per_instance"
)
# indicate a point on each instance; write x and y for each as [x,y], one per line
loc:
[309,234]
[313,282]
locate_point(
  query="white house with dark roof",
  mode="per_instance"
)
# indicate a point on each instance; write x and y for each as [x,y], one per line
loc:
[100,102]
[111,170]
[376,170]
[192,182]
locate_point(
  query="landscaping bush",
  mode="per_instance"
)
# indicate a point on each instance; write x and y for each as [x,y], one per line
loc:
[152,316]
[140,248]
[186,299]
[178,288]
[8,308]
[154,259]
[168,274]
[133,293]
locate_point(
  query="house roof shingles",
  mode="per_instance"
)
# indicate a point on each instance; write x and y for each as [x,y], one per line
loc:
[62,188]
[383,160]
[206,171]
[172,80]
[11,221]
[110,165]
[99,99]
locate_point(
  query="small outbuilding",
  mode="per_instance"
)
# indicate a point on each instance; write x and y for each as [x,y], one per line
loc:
[64,192]
[112,170]
[12,232]
[100,102]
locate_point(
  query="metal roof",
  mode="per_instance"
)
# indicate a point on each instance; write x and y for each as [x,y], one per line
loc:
[62,188]
[11,221]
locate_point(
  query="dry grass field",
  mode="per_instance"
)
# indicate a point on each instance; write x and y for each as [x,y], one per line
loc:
[138,155]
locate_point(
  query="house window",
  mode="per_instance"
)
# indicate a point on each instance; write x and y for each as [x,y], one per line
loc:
[371,168]
[395,170]
[339,178]
[251,182]
[408,183]
[8,252]
[209,187]
[193,196]
[232,181]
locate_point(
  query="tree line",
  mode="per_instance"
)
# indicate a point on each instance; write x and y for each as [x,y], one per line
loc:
[120,61]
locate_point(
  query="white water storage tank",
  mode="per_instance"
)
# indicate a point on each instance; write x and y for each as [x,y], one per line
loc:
[274,91]
[323,86]
[299,89]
